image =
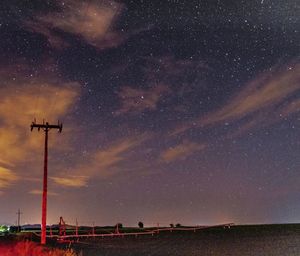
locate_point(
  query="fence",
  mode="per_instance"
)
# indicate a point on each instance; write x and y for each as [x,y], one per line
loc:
[145,231]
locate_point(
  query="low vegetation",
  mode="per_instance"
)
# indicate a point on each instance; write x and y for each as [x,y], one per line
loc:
[26,248]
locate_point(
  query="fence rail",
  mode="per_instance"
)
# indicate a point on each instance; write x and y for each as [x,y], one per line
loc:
[146,232]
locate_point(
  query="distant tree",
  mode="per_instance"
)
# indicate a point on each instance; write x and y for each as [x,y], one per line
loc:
[141,224]
[172,225]
[12,229]
[4,229]
[178,225]
[119,225]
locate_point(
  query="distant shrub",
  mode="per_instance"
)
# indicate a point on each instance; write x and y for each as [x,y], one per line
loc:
[4,229]
[119,225]
[178,225]
[141,224]
[172,225]
[13,229]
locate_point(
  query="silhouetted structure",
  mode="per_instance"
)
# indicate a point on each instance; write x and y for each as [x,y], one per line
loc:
[19,218]
[62,227]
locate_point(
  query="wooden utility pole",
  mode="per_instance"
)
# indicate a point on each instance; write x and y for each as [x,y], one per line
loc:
[76,231]
[46,127]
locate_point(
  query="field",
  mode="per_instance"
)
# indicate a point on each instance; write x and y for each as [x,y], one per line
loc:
[258,240]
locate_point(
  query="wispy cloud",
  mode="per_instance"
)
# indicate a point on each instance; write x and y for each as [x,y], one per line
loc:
[17,110]
[7,177]
[115,153]
[270,95]
[53,38]
[6,163]
[72,181]
[135,101]
[22,99]
[103,163]
[181,151]
[167,67]
[40,192]
[92,21]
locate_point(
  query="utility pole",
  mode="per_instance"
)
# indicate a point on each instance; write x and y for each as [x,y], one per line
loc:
[46,127]
[19,217]
[76,231]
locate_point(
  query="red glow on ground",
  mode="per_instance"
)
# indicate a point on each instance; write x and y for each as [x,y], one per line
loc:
[31,248]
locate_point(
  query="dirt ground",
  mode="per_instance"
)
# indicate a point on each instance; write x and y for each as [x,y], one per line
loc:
[262,240]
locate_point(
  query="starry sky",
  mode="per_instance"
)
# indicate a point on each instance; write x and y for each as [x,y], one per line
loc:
[173,111]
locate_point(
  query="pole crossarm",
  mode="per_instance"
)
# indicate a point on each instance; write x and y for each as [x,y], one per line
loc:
[46,126]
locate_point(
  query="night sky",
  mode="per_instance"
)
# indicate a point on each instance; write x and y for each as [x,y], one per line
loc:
[173,111]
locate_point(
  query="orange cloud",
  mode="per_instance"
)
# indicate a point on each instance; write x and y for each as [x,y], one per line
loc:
[115,153]
[40,192]
[138,100]
[7,177]
[17,111]
[261,96]
[103,163]
[22,99]
[5,162]
[181,151]
[53,39]
[72,181]
[264,92]
[41,100]
[87,19]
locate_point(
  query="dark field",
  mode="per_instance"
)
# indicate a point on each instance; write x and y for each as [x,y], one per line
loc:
[256,240]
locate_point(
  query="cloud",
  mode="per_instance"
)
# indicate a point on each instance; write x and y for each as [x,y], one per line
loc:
[44,100]
[262,93]
[89,20]
[290,108]
[246,126]
[115,153]
[103,163]
[135,101]
[40,192]
[270,96]
[6,163]
[72,181]
[23,98]
[181,151]
[54,39]
[168,66]
[184,76]
[17,110]
[166,75]
[7,177]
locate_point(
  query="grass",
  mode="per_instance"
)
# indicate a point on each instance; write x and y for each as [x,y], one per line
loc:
[29,248]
